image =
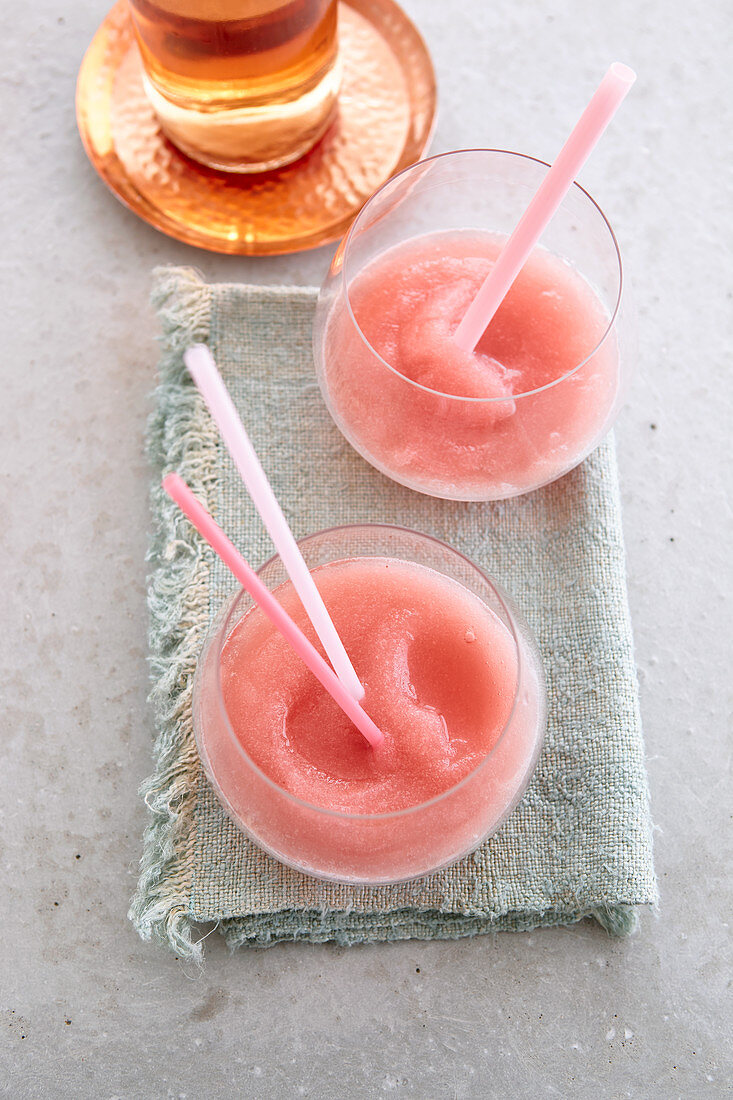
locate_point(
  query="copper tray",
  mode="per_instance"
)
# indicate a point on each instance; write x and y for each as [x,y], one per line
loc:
[384,122]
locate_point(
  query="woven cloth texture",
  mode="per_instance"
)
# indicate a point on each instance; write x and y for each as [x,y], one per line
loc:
[579,843]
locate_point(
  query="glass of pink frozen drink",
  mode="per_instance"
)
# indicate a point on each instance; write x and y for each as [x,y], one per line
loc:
[546,379]
[452,677]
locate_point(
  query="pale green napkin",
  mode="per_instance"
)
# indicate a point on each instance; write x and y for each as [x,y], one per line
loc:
[579,844]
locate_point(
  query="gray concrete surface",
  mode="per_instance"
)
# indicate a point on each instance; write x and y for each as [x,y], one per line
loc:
[87,1010]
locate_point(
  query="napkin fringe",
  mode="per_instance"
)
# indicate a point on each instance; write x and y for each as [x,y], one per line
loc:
[347,929]
[618,920]
[180,436]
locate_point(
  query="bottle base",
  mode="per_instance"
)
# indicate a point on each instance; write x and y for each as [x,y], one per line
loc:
[248,140]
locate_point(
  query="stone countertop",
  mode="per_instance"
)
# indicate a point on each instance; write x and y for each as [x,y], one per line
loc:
[90,1011]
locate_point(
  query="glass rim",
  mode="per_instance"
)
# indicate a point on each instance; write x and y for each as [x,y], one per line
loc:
[222,626]
[347,241]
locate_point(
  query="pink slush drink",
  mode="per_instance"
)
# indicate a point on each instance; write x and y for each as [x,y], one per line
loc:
[454,688]
[536,395]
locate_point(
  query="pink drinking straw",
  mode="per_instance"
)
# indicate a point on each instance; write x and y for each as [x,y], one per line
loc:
[559,179]
[178,491]
[202,368]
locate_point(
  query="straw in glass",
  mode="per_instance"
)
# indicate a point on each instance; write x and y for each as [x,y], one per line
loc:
[559,179]
[202,367]
[178,491]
